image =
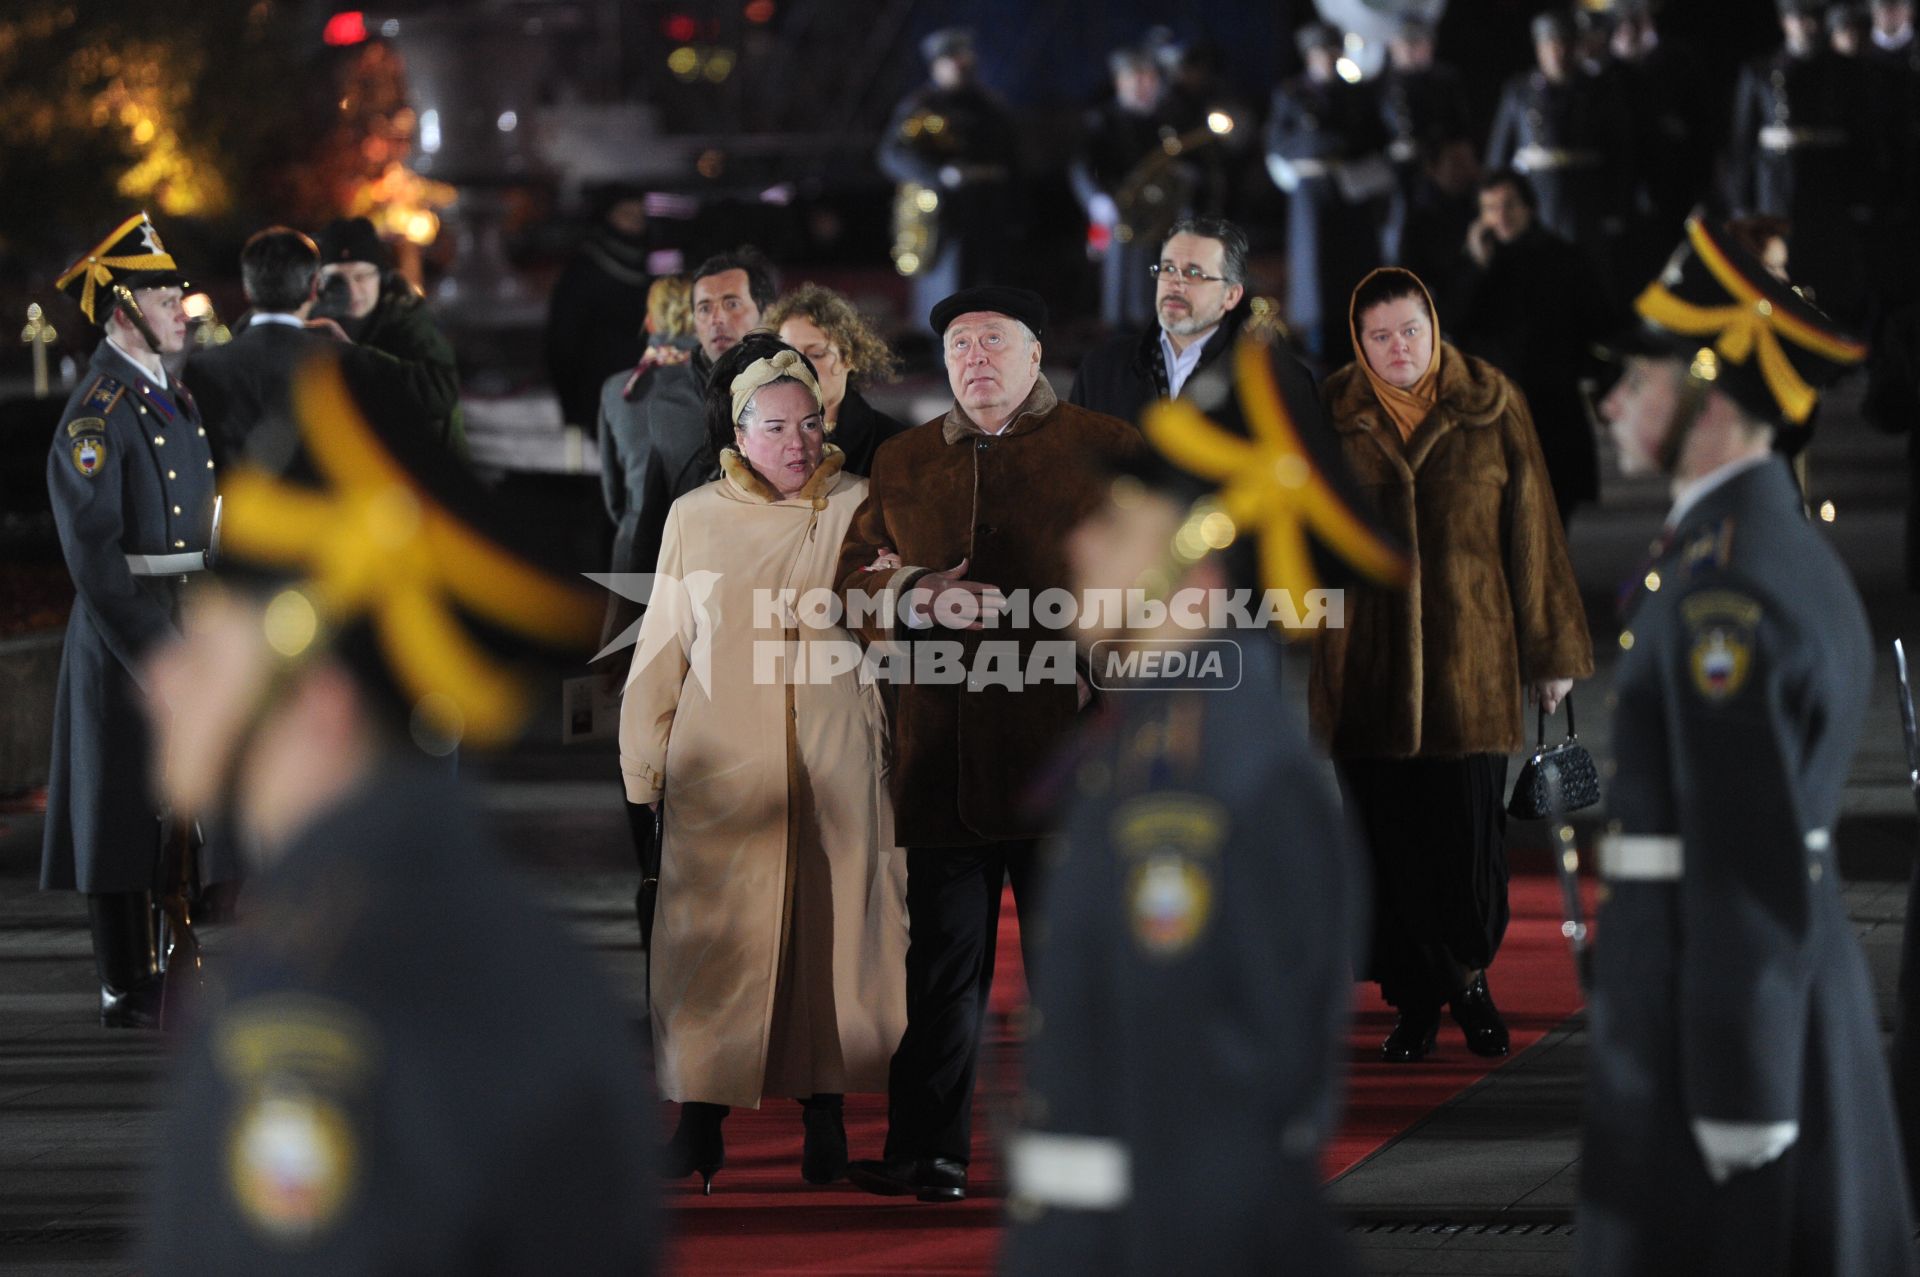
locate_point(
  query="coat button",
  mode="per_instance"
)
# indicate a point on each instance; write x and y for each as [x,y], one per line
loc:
[176,509]
[984,529]
[143,410]
[172,475]
[1653,582]
[159,441]
[202,432]
[179,545]
[209,465]
[981,446]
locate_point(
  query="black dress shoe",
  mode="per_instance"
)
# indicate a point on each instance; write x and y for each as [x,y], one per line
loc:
[1413,1035]
[940,1179]
[823,1158]
[931,1179]
[134,1008]
[697,1144]
[1474,1012]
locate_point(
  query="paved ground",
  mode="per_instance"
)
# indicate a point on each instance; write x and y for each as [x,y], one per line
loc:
[1484,1185]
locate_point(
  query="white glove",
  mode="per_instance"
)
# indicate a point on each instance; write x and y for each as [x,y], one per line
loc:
[1102,211]
[1731,1147]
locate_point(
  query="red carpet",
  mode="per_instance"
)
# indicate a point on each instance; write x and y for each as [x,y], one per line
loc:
[762,1218]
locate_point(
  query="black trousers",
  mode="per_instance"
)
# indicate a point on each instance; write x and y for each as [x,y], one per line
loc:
[1437,828]
[953,913]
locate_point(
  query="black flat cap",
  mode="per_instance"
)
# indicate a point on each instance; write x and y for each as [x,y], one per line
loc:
[353,239]
[1022,304]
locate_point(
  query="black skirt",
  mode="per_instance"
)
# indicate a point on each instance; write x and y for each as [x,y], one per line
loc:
[1437,829]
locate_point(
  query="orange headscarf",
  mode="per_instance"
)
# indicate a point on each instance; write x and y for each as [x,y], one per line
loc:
[1408,407]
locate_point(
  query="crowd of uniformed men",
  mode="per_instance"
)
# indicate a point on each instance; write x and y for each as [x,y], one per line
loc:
[402,1067]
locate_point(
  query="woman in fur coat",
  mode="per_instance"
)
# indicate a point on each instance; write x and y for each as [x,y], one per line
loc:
[1420,694]
[778,964]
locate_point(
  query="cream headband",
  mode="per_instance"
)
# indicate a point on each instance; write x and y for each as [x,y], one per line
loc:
[761,372]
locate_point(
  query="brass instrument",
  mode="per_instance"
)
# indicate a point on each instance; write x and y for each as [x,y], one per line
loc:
[1160,186]
[916,228]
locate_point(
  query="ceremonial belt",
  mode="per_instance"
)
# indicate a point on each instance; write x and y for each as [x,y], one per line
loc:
[167,564]
[1084,1172]
[1402,149]
[1533,159]
[1787,137]
[1658,858]
[1311,168]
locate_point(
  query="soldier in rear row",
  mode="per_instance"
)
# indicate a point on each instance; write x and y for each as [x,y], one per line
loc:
[1738,1113]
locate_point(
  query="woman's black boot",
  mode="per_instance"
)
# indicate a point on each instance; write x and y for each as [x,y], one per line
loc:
[1474,1012]
[697,1144]
[823,1158]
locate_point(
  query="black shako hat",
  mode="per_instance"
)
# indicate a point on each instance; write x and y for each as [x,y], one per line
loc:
[131,257]
[353,239]
[1734,324]
[1022,304]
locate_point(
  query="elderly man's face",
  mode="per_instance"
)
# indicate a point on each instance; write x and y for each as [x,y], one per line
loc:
[1639,412]
[723,311]
[992,364]
[363,285]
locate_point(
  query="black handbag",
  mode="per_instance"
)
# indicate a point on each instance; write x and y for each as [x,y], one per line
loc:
[1568,762]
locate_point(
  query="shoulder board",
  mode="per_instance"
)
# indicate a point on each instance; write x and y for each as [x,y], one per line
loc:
[1708,549]
[103,394]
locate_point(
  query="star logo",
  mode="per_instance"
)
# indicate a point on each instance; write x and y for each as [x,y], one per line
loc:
[682,606]
[150,237]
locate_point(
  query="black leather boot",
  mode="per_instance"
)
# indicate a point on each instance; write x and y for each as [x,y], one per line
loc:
[823,1158]
[697,1144]
[1474,1012]
[1413,1035]
[122,923]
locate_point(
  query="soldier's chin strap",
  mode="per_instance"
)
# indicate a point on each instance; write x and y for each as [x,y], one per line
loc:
[135,316]
[1692,402]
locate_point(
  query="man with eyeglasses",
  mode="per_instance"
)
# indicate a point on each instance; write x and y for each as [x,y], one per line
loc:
[1199,285]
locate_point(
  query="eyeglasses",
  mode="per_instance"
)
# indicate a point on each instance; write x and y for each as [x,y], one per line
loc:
[1191,274]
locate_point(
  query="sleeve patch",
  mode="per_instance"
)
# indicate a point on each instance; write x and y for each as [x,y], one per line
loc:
[1720,627]
[86,426]
[89,454]
[1172,842]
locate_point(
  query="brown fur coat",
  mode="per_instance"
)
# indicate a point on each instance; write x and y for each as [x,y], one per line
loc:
[1438,671]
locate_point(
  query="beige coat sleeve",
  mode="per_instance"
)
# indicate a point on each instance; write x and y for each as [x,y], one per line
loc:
[662,658]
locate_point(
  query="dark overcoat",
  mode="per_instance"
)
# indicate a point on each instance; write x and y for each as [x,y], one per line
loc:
[1183,1067]
[1728,985]
[129,472]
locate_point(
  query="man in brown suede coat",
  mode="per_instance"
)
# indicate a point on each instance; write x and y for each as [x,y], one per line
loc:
[977,505]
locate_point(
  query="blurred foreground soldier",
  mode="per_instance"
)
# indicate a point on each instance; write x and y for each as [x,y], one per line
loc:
[596,319]
[1326,149]
[1176,1104]
[1738,1114]
[951,145]
[408,1067]
[131,480]
[1199,284]
[378,307]
[1805,148]
[1570,133]
[1121,156]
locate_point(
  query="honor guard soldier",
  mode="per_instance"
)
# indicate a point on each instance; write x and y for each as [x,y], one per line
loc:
[952,147]
[1131,183]
[1570,133]
[405,1065]
[1423,104]
[1806,147]
[1326,148]
[132,484]
[1738,1113]
[1183,1061]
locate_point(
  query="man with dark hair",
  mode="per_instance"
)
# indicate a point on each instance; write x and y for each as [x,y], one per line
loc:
[1200,281]
[1533,305]
[244,383]
[731,291]
[381,309]
[131,480]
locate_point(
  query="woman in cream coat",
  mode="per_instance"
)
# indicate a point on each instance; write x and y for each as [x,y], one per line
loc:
[779,948]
